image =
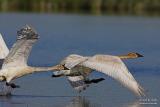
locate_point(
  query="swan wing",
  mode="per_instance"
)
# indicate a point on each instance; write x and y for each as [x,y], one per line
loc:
[3,48]
[115,68]
[78,82]
[21,49]
[73,60]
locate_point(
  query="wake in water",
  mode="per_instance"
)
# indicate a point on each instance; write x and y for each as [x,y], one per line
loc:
[5,90]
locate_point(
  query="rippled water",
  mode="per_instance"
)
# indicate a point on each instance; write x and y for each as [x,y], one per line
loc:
[62,34]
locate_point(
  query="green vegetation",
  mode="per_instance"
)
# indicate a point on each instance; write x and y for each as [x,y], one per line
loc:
[88,6]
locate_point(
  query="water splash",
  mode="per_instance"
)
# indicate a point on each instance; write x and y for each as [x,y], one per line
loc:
[5,90]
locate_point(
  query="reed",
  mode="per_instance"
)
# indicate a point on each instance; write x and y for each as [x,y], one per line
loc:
[89,6]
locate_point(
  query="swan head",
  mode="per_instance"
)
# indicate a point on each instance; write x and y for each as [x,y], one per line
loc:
[134,55]
[2,78]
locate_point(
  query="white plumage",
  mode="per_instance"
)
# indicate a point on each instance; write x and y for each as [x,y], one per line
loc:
[107,64]
[15,63]
[3,48]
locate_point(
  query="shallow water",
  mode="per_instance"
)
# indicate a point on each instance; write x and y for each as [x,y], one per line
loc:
[62,34]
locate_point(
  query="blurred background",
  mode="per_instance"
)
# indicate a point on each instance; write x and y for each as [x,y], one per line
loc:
[98,7]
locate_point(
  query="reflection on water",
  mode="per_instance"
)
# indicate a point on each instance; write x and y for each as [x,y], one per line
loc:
[82,102]
[61,101]
[133,104]
[76,101]
[5,90]
[6,101]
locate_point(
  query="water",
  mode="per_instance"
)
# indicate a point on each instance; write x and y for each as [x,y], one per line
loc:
[63,34]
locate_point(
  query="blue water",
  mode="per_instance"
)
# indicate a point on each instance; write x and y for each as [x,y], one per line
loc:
[64,34]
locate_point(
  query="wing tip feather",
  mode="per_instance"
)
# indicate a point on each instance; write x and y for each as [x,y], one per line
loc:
[27,32]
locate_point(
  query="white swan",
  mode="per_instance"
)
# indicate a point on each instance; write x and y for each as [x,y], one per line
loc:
[80,67]
[15,63]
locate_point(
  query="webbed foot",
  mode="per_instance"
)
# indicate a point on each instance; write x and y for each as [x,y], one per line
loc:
[56,75]
[94,80]
[12,85]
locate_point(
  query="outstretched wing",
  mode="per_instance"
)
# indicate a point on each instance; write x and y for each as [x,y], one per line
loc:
[78,82]
[115,68]
[20,51]
[3,48]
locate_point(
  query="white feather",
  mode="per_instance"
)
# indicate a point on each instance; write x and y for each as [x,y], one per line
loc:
[115,68]
[109,65]
[73,60]
[15,63]
[19,53]
[3,48]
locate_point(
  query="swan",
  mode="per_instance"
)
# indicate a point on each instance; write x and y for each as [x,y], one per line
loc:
[14,64]
[81,66]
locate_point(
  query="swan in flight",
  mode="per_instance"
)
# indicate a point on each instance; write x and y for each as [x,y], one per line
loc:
[14,63]
[80,67]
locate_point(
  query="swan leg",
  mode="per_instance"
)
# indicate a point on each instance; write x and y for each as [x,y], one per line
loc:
[12,85]
[94,80]
[57,75]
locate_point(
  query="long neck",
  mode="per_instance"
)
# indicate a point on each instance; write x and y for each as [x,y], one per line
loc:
[126,57]
[41,69]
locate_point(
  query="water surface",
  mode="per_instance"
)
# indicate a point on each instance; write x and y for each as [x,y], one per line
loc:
[64,34]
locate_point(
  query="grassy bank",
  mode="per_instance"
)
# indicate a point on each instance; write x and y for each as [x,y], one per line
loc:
[88,6]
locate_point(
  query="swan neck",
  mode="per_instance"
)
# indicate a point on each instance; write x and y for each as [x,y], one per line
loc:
[126,57]
[41,69]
